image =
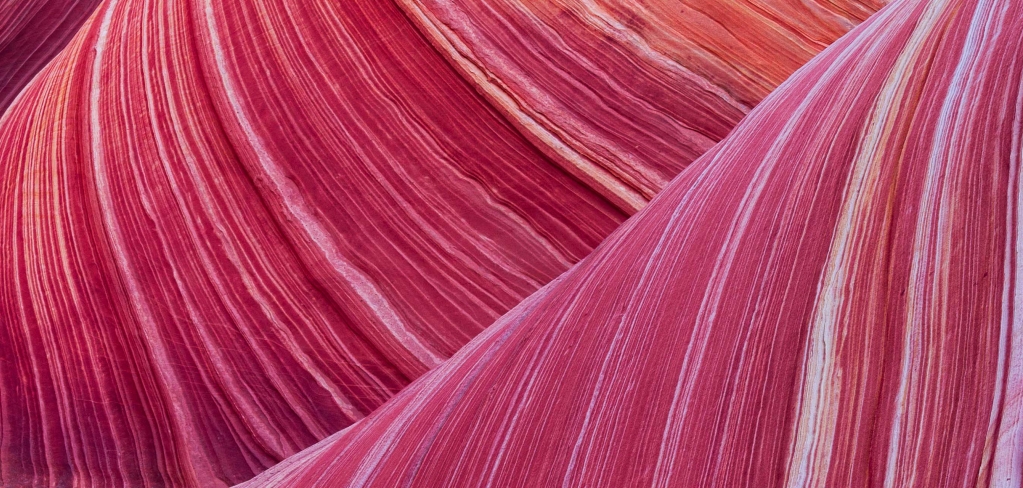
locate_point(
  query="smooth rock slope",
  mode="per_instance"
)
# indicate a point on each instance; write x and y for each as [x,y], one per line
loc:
[32,32]
[623,94]
[830,297]
[229,229]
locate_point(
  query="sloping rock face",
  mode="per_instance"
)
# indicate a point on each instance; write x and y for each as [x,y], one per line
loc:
[623,94]
[830,297]
[229,229]
[32,32]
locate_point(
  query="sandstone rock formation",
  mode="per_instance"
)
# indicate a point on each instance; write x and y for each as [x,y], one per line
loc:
[830,297]
[229,228]
[31,33]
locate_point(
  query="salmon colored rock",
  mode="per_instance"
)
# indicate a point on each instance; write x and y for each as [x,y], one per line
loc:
[830,297]
[623,94]
[229,229]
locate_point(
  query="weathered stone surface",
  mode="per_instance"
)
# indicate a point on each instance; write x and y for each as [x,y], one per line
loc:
[229,228]
[830,297]
[31,33]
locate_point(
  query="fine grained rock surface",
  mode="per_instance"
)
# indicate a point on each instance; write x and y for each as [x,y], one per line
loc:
[623,94]
[830,297]
[31,33]
[229,229]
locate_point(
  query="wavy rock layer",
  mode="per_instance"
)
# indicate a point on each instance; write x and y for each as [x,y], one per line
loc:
[623,94]
[32,32]
[832,296]
[229,229]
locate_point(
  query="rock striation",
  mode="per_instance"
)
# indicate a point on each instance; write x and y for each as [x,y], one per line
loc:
[623,94]
[32,32]
[229,229]
[830,297]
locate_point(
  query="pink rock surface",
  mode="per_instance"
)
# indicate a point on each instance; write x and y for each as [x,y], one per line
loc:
[830,297]
[229,229]
[623,94]
[31,33]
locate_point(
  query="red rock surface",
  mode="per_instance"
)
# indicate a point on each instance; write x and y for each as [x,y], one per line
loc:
[31,33]
[623,94]
[831,297]
[229,229]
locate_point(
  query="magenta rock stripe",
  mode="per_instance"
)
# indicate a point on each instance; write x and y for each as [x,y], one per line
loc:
[241,235]
[829,297]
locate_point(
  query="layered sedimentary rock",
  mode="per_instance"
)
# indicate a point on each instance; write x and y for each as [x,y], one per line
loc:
[623,94]
[229,229]
[830,297]
[31,33]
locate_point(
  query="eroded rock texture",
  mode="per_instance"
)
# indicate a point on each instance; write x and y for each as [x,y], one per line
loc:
[831,297]
[623,94]
[31,33]
[229,229]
